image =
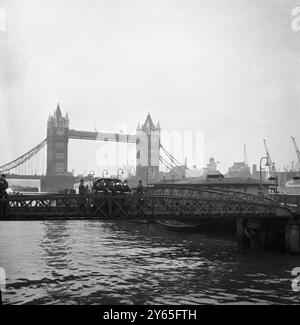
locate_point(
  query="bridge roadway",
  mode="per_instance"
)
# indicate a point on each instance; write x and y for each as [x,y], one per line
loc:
[189,204]
[106,137]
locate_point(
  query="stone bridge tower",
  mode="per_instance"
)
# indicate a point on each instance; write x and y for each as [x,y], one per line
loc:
[57,144]
[148,151]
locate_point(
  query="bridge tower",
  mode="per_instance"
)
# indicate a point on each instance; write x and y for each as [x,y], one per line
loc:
[148,151]
[57,144]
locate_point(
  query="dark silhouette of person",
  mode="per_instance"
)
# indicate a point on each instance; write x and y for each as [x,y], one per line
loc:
[140,189]
[140,192]
[82,192]
[112,187]
[100,186]
[3,194]
[126,188]
[1,190]
[2,203]
[4,187]
[126,191]
[119,187]
[82,188]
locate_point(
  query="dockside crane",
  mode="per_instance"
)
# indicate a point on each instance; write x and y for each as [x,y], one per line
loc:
[272,168]
[245,155]
[297,150]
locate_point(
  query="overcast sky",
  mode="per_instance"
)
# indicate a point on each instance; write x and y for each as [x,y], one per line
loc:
[229,68]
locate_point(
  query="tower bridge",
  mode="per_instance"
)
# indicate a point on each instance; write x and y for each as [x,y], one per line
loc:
[147,140]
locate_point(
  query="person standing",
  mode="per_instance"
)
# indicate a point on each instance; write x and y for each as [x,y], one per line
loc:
[82,187]
[126,192]
[112,187]
[2,203]
[3,194]
[126,188]
[140,189]
[82,193]
[1,190]
[140,200]
[4,186]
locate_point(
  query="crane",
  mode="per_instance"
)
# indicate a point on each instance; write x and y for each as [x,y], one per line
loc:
[272,168]
[245,155]
[292,166]
[297,149]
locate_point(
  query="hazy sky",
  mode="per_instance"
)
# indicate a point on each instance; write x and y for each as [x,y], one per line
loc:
[229,68]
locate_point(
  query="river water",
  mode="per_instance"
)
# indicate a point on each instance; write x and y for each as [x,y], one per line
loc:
[83,262]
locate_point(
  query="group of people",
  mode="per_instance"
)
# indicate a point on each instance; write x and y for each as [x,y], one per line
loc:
[83,189]
[3,187]
[104,186]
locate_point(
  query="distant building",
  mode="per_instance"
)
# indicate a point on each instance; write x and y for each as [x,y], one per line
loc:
[180,172]
[58,178]
[256,173]
[57,144]
[148,151]
[194,172]
[239,170]
[211,168]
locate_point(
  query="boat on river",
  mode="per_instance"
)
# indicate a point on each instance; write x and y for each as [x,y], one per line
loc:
[293,187]
[177,225]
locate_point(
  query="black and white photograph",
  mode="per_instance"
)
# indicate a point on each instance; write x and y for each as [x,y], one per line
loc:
[149,155]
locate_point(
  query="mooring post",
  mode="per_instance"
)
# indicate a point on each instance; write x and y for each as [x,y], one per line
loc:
[292,238]
[240,231]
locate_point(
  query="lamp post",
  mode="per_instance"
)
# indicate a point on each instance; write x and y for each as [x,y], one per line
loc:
[92,175]
[105,172]
[147,180]
[122,170]
[260,173]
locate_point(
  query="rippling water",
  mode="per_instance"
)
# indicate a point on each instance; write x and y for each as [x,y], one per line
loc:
[86,262]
